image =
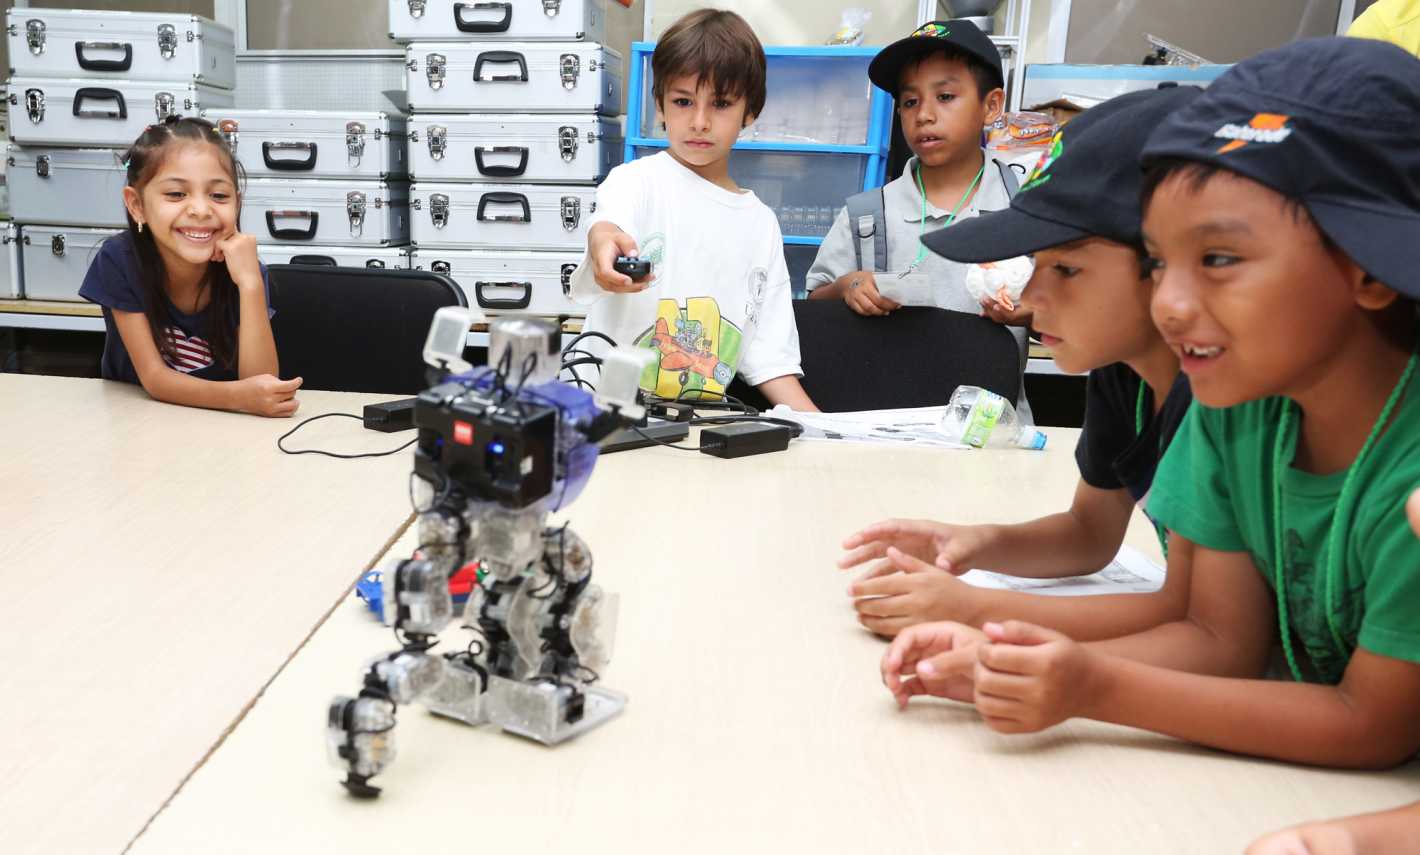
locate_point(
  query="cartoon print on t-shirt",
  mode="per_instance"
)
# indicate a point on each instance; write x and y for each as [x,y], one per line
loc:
[696,348]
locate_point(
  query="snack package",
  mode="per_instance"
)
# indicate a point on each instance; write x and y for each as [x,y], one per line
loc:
[1001,282]
[1016,132]
[850,30]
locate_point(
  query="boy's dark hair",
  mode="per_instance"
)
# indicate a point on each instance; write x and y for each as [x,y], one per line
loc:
[1196,174]
[986,77]
[142,161]
[719,49]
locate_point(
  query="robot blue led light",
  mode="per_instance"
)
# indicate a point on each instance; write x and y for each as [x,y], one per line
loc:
[500,448]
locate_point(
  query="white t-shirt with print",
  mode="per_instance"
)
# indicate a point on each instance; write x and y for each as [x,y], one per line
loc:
[720,302]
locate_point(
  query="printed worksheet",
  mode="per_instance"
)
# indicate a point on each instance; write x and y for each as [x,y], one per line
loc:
[1129,573]
[912,426]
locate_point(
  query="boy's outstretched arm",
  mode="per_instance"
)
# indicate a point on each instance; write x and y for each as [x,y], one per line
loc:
[1186,679]
[788,391]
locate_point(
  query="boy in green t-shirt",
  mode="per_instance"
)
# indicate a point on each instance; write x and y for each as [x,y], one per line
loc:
[1282,209]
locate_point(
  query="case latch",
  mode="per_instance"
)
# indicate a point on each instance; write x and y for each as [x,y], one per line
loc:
[439,210]
[435,64]
[34,105]
[441,267]
[567,142]
[567,271]
[228,129]
[167,40]
[354,142]
[34,35]
[56,246]
[416,8]
[550,8]
[164,104]
[42,166]
[571,67]
[438,136]
[355,209]
[571,213]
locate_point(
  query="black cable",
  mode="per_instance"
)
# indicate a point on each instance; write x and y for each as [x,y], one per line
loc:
[288,433]
[585,360]
[589,334]
[794,427]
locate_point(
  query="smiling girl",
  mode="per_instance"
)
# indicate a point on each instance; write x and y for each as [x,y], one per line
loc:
[184,297]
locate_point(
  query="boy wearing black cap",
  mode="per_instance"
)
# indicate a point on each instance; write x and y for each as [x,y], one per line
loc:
[1282,208]
[947,80]
[1078,213]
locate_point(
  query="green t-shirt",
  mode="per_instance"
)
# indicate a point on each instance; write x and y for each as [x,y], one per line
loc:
[1215,487]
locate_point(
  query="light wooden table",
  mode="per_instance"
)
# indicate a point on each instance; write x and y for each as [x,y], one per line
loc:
[756,719]
[158,565]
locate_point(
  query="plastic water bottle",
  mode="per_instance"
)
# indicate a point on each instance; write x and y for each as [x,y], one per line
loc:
[983,419]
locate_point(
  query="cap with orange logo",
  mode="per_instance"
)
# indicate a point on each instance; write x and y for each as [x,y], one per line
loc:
[1333,123]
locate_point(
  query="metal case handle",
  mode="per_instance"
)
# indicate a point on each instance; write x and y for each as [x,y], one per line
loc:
[501,56]
[502,171]
[504,199]
[104,64]
[292,234]
[498,26]
[313,260]
[99,94]
[503,303]
[289,165]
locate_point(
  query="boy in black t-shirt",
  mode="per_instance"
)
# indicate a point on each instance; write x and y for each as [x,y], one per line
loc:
[1079,214]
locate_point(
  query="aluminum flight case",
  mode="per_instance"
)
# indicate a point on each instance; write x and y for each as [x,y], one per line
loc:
[500,282]
[500,216]
[10,286]
[524,20]
[54,259]
[315,143]
[95,113]
[66,186]
[321,212]
[387,257]
[121,46]
[516,77]
[570,149]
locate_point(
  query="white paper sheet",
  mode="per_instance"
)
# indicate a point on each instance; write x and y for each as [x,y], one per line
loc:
[1129,573]
[913,426]
[906,289]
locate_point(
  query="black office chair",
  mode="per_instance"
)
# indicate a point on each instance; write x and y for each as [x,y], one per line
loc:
[356,329]
[914,357]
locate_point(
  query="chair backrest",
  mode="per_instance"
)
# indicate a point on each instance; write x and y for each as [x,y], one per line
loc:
[913,357]
[356,329]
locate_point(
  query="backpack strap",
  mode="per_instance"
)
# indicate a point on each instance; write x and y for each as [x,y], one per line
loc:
[1009,179]
[867,220]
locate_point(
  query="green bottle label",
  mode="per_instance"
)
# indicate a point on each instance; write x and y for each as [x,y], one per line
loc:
[985,413]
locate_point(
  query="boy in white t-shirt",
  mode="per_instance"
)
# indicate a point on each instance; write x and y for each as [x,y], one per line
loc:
[717,301]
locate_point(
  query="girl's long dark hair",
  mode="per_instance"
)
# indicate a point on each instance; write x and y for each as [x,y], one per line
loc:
[142,160]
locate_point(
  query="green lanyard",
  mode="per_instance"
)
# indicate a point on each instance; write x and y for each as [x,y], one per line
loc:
[1139,431]
[1335,542]
[922,226]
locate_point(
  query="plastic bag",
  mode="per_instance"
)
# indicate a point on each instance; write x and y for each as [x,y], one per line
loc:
[1021,131]
[850,30]
[1001,282]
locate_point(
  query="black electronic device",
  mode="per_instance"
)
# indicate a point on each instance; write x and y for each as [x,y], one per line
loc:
[655,432]
[636,268]
[500,451]
[744,439]
[390,416]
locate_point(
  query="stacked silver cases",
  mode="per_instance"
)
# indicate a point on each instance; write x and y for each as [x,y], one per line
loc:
[513,126]
[319,182]
[85,84]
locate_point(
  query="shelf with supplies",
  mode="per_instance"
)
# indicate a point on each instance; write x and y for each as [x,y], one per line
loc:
[823,134]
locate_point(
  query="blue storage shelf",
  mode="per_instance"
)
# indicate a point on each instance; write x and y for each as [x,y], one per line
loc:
[873,152]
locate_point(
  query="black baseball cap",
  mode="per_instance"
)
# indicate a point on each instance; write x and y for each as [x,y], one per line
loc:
[1333,123]
[886,67]
[1086,185]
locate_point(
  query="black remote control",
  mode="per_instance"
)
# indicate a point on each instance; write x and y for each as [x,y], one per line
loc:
[636,268]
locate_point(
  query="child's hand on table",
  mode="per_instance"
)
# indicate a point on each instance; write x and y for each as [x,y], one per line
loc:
[932,659]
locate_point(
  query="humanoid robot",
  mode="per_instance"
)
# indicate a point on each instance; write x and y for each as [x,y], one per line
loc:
[500,447]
